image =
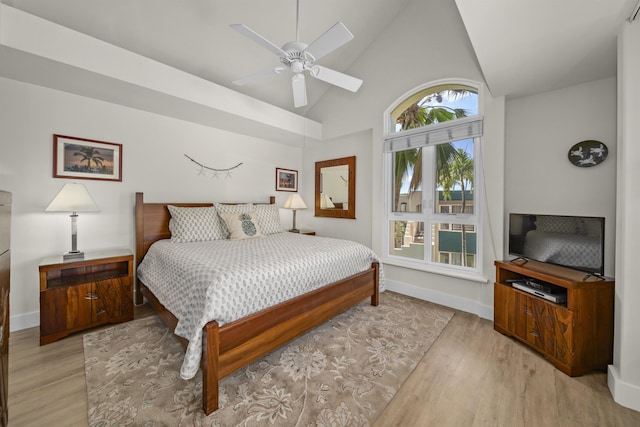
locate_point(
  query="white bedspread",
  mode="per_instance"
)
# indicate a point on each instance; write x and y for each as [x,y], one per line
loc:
[225,280]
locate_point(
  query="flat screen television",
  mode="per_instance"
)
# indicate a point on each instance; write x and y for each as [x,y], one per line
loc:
[571,241]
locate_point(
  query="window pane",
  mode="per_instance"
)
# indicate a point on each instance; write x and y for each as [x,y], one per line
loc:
[453,243]
[435,105]
[455,177]
[407,172]
[406,239]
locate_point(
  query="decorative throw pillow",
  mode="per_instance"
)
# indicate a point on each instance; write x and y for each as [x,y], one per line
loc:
[197,224]
[242,225]
[556,224]
[269,218]
[228,209]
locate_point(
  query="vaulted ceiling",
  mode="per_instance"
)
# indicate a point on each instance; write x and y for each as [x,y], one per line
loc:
[522,47]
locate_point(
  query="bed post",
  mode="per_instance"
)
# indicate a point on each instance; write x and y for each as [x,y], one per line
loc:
[139,244]
[209,366]
[375,298]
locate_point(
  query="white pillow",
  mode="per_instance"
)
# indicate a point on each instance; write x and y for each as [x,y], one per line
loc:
[269,218]
[242,225]
[195,224]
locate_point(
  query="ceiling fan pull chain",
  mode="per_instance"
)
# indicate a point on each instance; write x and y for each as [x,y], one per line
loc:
[297,20]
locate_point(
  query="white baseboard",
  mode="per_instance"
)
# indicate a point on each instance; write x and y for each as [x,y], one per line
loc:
[24,321]
[623,393]
[464,304]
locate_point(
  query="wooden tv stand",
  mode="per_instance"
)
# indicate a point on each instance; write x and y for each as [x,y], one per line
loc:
[576,336]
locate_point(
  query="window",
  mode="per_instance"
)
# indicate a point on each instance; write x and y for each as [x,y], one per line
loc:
[432,164]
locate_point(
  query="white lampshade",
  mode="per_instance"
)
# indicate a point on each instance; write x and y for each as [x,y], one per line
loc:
[294,202]
[325,202]
[73,198]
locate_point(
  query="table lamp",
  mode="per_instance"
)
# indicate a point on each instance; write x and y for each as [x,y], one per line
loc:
[326,202]
[294,202]
[73,198]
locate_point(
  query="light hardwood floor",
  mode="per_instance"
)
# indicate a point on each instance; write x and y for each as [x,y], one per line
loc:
[471,376]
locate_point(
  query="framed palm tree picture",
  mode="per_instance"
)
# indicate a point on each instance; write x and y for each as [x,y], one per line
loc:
[86,159]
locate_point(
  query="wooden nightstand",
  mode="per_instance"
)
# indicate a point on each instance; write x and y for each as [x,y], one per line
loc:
[81,294]
[307,232]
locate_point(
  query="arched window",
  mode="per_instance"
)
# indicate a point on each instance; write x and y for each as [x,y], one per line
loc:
[432,159]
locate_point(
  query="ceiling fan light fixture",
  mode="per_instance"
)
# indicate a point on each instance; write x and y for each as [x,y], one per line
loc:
[297,67]
[298,57]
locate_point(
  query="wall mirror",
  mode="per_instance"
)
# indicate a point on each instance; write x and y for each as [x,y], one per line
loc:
[335,195]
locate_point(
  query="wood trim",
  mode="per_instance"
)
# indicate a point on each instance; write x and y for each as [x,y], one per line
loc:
[350,212]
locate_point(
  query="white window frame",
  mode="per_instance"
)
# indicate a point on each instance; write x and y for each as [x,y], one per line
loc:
[428,215]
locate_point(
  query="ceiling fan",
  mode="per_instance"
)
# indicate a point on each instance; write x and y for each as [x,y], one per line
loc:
[300,57]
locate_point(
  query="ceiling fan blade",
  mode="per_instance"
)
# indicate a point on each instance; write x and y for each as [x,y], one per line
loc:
[258,76]
[248,32]
[336,78]
[332,39]
[299,90]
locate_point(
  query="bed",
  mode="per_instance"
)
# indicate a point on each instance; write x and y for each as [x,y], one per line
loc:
[228,346]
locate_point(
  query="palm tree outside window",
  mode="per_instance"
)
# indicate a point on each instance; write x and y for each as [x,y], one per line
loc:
[432,165]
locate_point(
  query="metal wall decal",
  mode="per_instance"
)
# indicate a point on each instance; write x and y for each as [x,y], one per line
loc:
[588,153]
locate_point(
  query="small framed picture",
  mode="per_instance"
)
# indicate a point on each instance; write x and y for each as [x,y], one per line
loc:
[286,180]
[86,159]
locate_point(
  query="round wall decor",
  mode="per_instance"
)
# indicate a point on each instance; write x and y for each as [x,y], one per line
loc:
[588,153]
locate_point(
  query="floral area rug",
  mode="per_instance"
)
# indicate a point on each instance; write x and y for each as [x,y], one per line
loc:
[342,373]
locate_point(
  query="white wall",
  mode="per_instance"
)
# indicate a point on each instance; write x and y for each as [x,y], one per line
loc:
[539,177]
[153,162]
[624,374]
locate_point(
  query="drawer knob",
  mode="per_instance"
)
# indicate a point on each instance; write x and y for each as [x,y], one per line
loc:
[91,295]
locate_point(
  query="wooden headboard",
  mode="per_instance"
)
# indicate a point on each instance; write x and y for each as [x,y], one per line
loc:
[152,224]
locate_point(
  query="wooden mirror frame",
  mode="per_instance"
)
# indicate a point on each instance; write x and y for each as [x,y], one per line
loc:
[350,212]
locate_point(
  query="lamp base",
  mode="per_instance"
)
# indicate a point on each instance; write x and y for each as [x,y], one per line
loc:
[294,230]
[73,255]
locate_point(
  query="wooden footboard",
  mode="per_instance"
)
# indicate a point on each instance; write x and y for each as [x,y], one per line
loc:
[229,347]
[247,339]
